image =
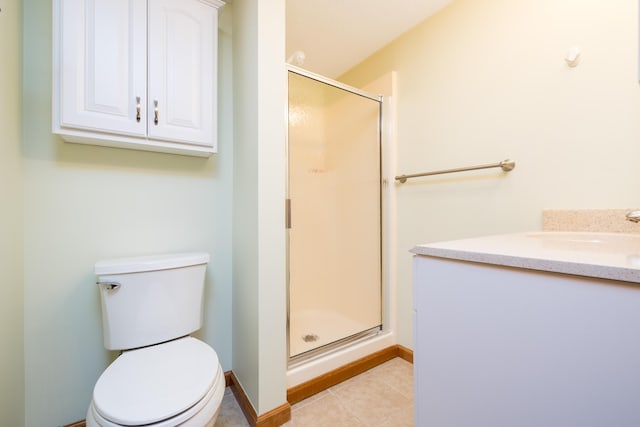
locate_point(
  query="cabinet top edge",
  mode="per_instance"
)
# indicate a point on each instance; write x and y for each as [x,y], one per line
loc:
[215,3]
[602,255]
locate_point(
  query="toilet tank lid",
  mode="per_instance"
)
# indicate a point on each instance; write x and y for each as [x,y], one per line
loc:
[149,263]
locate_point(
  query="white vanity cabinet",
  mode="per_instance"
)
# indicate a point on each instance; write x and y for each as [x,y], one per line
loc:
[138,74]
[528,330]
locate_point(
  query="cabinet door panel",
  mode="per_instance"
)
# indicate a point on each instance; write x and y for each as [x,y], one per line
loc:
[103,60]
[182,73]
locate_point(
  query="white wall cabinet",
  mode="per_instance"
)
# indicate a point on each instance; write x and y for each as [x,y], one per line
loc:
[138,74]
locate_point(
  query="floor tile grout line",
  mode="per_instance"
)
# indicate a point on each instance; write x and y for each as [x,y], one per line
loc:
[348,409]
[309,401]
[375,376]
[396,389]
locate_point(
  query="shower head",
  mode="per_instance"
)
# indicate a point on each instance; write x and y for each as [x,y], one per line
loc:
[297,58]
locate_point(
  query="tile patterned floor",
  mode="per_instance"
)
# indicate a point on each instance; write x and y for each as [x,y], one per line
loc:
[380,397]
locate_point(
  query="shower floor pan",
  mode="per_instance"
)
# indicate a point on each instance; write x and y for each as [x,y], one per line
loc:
[312,329]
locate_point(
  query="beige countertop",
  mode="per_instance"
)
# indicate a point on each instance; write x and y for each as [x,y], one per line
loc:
[614,256]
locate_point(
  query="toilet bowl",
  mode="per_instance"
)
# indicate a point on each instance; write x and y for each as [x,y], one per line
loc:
[176,383]
[163,377]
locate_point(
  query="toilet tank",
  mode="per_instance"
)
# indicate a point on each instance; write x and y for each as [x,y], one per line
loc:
[151,299]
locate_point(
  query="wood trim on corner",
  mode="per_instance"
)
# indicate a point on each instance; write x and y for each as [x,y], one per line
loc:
[405,353]
[243,400]
[273,418]
[307,389]
[77,424]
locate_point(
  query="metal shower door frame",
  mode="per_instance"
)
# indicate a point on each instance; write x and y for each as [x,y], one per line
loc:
[328,348]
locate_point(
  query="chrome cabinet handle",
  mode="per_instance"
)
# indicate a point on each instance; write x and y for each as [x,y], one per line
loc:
[155,112]
[138,109]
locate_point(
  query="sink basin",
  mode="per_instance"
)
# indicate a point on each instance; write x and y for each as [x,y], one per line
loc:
[588,241]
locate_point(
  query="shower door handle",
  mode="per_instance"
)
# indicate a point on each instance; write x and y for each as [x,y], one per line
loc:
[287,213]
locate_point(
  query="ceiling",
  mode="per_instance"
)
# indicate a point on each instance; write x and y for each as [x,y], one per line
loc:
[336,35]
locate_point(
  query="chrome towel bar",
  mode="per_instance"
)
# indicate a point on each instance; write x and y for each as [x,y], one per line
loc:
[506,165]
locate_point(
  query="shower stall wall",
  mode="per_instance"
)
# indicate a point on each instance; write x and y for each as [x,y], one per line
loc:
[334,214]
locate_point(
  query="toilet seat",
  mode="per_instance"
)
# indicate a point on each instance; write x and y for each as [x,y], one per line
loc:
[166,382]
[203,414]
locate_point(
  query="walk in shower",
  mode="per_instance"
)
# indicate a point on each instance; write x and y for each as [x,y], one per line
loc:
[334,215]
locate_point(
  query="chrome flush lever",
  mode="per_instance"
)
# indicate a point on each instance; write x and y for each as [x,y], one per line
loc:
[109,286]
[155,112]
[138,109]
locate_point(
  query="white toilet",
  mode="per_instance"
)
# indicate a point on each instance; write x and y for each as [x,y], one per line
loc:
[163,377]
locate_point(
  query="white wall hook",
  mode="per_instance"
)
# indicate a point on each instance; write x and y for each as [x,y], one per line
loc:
[573,56]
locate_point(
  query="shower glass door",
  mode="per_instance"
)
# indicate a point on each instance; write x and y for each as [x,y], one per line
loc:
[334,236]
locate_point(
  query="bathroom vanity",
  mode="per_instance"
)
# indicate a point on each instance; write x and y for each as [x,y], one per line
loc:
[529,329]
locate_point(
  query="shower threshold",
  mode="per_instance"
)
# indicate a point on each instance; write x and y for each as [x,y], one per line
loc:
[326,349]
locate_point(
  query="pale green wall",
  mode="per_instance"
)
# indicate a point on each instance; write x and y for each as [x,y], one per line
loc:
[85,203]
[245,199]
[259,292]
[11,210]
[485,80]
